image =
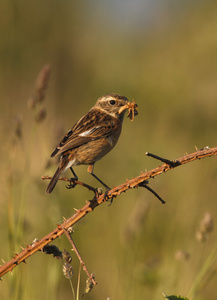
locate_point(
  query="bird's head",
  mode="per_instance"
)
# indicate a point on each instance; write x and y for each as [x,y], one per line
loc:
[116,105]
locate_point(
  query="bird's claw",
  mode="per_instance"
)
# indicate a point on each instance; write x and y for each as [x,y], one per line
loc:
[72,183]
[99,192]
[106,196]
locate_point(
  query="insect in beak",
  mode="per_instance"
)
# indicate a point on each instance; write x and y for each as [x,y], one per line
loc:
[132,111]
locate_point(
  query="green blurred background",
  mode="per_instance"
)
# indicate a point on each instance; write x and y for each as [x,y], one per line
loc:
[163,54]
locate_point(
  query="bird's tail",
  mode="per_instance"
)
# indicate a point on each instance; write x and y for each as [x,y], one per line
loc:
[54,180]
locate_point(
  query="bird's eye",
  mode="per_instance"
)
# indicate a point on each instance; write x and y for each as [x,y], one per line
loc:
[112,102]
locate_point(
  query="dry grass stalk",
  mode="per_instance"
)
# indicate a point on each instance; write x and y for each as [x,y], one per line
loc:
[91,278]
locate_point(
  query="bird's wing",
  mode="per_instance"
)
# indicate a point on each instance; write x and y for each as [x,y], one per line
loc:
[92,126]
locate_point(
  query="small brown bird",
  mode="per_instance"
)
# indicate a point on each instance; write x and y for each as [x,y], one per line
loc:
[92,137]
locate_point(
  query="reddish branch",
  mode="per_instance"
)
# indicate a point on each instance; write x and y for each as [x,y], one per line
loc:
[89,207]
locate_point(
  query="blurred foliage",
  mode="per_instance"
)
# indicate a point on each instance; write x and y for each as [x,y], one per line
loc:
[168,65]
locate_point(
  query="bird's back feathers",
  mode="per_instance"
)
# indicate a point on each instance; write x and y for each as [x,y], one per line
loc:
[101,126]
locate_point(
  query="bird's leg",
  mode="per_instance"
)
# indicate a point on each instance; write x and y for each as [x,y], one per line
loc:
[107,188]
[72,183]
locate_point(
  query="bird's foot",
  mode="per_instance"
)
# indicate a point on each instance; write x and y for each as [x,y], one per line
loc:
[106,196]
[72,183]
[99,191]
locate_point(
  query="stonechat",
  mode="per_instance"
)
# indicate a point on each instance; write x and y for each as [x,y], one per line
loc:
[92,137]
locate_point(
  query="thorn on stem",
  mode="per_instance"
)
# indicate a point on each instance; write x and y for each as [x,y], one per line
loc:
[144,184]
[171,163]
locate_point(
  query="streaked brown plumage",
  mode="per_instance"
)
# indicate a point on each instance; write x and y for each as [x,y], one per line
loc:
[92,137]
